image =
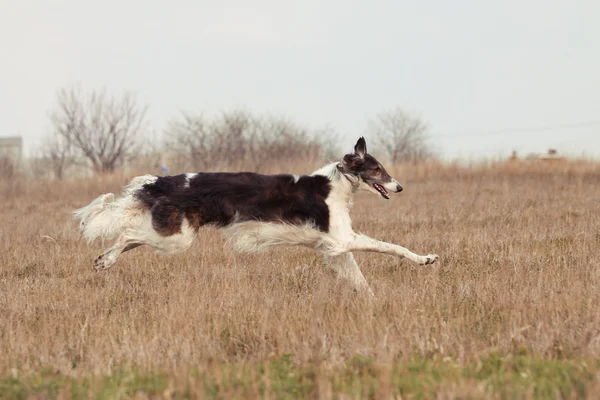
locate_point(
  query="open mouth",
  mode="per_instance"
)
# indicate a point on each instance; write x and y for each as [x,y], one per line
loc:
[384,193]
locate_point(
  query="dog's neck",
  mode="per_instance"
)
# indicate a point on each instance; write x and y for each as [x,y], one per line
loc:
[344,186]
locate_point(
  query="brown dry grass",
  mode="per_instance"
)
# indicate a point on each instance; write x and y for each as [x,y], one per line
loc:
[519,269]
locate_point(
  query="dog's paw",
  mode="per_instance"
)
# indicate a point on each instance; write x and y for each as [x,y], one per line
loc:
[108,198]
[431,258]
[100,263]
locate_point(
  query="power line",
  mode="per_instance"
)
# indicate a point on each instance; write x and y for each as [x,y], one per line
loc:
[522,130]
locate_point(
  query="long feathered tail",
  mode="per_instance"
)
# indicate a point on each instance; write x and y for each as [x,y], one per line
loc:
[107,218]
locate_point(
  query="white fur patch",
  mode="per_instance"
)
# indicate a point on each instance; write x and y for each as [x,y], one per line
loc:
[330,171]
[163,244]
[106,218]
[392,186]
[137,183]
[255,236]
[188,178]
[339,203]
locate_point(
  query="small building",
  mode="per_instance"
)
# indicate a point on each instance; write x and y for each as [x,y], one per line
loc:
[12,148]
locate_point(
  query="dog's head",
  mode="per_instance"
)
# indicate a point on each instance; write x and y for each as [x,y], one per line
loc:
[369,172]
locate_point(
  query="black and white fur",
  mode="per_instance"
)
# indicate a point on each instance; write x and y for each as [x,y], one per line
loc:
[255,211]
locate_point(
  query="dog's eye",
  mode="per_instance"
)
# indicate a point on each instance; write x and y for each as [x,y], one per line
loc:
[376,169]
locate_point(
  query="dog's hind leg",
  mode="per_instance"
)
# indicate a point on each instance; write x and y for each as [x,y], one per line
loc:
[146,235]
[346,268]
[128,240]
[365,243]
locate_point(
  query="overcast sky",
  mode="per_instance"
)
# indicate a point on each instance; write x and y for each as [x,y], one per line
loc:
[528,69]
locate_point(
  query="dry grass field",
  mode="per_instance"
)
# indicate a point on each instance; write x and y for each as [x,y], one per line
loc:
[510,310]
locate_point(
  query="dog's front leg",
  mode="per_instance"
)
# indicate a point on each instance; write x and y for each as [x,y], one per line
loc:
[346,268]
[365,243]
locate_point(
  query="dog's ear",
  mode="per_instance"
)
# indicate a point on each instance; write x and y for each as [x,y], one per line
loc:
[352,164]
[360,148]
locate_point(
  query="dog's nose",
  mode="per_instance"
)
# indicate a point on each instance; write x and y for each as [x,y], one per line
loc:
[398,188]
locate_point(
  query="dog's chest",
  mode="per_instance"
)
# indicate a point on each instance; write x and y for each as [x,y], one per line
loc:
[340,223]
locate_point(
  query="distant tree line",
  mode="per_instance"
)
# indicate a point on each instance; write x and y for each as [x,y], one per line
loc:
[102,132]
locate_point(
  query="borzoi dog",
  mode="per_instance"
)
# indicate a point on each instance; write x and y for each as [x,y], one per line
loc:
[256,212]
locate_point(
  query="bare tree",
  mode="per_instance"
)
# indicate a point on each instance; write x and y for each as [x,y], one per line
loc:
[102,129]
[403,136]
[150,155]
[188,136]
[237,137]
[56,154]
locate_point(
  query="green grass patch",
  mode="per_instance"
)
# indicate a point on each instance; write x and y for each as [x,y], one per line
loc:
[496,376]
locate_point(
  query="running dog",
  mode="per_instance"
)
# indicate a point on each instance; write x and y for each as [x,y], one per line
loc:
[255,211]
